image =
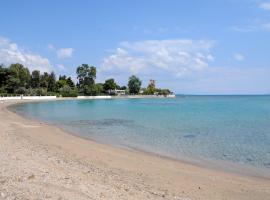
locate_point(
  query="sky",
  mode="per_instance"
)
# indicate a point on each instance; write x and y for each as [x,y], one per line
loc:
[188,46]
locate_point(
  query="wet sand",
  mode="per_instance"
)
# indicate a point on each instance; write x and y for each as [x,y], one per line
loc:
[40,161]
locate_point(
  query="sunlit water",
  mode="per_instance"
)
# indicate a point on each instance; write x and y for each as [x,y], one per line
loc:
[231,128]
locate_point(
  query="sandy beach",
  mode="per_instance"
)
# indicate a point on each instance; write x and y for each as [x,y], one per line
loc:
[39,161]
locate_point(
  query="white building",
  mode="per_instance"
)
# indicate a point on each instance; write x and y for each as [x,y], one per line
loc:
[119,92]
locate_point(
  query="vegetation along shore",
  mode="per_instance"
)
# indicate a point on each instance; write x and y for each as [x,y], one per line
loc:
[18,80]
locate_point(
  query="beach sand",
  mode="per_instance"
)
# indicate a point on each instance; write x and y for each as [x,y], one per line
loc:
[39,161]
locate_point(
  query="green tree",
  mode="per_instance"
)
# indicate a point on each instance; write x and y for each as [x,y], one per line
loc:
[165,92]
[99,88]
[21,90]
[92,90]
[52,82]
[70,82]
[109,85]
[44,80]
[38,92]
[67,91]
[64,77]
[151,88]
[4,72]
[134,85]
[123,88]
[35,79]
[86,76]
[18,77]
[61,83]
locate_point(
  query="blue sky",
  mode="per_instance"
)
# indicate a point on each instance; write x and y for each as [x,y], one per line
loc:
[192,46]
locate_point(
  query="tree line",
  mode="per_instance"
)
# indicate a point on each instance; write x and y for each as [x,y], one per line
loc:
[17,79]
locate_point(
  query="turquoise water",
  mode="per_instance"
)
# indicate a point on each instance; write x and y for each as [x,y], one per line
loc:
[230,128]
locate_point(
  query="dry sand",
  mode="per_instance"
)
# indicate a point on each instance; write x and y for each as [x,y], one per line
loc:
[39,161]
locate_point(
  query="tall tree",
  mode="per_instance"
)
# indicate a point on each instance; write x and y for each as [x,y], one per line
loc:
[123,88]
[44,80]
[52,82]
[64,77]
[70,82]
[86,76]
[100,88]
[151,88]
[18,77]
[109,85]
[35,79]
[63,81]
[134,84]
[3,76]
[60,83]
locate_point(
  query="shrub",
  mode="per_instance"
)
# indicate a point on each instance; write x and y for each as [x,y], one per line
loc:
[93,90]
[52,93]
[36,92]
[66,91]
[149,91]
[165,92]
[21,90]
[2,90]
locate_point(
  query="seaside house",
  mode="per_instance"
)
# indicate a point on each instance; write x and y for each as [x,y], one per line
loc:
[119,92]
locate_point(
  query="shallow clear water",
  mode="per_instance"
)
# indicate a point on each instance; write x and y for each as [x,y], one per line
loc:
[233,128]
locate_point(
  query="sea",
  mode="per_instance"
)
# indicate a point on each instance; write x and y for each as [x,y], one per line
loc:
[195,128]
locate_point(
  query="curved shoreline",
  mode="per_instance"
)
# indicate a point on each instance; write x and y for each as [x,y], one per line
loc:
[147,176]
[219,165]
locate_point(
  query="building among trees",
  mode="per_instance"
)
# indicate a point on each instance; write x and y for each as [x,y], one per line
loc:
[17,79]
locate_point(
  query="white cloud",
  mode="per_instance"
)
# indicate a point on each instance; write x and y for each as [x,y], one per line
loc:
[51,47]
[184,67]
[60,66]
[265,5]
[152,57]
[262,26]
[239,57]
[210,57]
[65,52]
[266,26]
[225,80]
[10,53]
[245,29]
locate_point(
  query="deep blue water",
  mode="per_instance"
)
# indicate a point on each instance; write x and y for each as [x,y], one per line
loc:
[231,128]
